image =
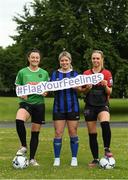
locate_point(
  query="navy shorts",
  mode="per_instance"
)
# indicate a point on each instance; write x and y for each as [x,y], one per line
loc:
[36,111]
[66,116]
[91,112]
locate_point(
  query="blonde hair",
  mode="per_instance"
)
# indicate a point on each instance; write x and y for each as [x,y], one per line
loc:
[102,56]
[65,53]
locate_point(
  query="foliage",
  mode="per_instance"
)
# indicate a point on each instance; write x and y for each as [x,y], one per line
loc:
[56,25]
[11,62]
[121,81]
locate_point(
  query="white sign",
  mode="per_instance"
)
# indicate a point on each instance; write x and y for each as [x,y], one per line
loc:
[65,83]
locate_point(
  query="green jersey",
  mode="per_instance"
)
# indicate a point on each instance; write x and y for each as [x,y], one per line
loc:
[27,76]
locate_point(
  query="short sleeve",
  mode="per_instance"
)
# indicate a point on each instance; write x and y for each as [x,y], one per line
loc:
[18,80]
[109,79]
[53,76]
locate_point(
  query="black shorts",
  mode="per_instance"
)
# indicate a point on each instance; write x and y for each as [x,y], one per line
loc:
[66,116]
[91,112]
[36,111]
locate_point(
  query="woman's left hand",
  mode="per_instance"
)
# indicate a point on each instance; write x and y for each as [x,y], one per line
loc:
[104,83]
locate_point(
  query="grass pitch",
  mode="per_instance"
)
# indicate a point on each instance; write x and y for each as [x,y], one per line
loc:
[9,144]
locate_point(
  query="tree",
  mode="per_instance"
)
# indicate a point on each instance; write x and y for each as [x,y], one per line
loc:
[11,61]
[78,27]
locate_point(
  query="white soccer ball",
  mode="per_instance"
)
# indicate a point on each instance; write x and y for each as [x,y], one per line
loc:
[107,163]
[20,162]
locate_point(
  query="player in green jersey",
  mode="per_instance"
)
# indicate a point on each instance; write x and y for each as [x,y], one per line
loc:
[31,106]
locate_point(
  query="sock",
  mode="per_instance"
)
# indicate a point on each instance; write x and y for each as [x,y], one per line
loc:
[21,131]
[74,143]
[57,143]
[93,145]
[106,133]
[33,144]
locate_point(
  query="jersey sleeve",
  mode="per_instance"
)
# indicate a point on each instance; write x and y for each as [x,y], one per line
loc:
[53,76]
[109,79]
[18,80]
[76,73]
[87,72]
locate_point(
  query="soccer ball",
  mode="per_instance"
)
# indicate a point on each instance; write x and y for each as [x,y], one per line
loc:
[107,163]
[20,162]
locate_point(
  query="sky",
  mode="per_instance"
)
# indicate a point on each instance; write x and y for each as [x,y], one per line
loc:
[9,9]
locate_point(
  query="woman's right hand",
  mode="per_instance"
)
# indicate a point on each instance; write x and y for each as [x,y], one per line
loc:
[25,97]
[45,94]
[87,88]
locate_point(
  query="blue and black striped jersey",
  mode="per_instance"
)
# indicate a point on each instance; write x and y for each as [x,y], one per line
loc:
[65,100]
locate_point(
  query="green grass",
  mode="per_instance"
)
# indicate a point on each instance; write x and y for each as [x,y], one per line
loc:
[9,144]
[9,105]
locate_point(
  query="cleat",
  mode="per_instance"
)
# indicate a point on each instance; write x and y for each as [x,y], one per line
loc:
[94,163]
[108,153]
[56,162]
[22,151]
[74,161]
[33,162]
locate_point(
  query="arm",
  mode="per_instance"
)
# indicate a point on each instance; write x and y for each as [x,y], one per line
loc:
[84,89]
[19,81]
[107,88]
[87,88]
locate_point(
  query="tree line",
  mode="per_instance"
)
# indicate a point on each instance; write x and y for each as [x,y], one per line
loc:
[76,26]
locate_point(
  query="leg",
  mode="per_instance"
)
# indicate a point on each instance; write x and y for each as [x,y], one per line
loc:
[37,118]
[59,126]
[91,125]
[104,118]
[74,142]
[92,131]
[90,115]
[34,142]
[21,117]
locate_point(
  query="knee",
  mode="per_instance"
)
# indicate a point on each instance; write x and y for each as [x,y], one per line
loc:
[72,132]
[92,131]
[58,133]
[35,127]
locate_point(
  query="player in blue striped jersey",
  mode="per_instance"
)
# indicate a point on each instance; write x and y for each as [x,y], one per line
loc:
[65,109]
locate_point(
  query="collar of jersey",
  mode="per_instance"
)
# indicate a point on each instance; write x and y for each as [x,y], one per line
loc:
[97,72]
[65,71]
[32,70]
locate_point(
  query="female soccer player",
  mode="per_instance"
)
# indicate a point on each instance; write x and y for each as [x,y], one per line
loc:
[31,105]
[65,110]
[97,107]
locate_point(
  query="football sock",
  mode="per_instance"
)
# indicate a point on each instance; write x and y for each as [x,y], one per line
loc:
[21,131]
[74,143]
[57,143]
[33,144]
[93,144]
[106,133]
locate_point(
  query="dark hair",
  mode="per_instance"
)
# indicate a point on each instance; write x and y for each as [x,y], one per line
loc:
[33,50]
